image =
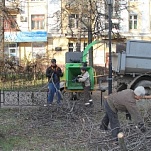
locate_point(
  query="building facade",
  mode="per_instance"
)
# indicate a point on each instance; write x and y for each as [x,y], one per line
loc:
[136,20]
[25,31]
[50,28]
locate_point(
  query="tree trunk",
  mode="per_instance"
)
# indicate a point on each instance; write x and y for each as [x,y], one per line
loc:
[2,5]
[91,49]
[121,142]
[90,36]
[78,45]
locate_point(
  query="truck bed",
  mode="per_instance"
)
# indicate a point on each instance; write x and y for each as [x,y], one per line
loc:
[136,58]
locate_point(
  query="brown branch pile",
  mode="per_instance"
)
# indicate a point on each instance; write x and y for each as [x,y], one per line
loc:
[77,128]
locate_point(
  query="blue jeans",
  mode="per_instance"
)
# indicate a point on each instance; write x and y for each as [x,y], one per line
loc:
[112,118]
[52,91]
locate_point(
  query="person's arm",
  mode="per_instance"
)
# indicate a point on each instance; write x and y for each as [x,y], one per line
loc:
[79,76]
[135,113]
[59,72]
[49,73]
[84,78]
[147,97]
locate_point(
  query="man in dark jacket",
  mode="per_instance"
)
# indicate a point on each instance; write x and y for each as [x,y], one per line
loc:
[53,73]
[124,101]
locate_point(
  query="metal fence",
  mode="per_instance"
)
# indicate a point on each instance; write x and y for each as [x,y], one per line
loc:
[23,89]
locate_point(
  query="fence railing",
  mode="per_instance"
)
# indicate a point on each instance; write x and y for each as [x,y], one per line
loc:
[22,98]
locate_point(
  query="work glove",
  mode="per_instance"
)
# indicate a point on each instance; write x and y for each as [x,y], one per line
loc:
[79,76]
[142,127]
[128,116]
[77,80]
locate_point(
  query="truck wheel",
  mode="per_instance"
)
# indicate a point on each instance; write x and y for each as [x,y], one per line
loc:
[146,84]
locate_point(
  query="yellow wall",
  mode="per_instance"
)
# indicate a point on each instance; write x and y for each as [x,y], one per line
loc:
[25,50]
[58,55]
[99,50]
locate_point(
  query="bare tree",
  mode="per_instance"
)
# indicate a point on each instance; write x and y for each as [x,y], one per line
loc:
[8,19]
[91,17]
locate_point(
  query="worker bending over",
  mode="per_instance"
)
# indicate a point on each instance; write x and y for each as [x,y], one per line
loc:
[124,101]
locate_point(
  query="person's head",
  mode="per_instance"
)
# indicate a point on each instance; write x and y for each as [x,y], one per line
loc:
[83,69]
[139,92]
[53,62]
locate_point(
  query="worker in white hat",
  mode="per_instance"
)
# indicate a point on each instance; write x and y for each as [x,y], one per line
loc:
[139,91]
[84,78]
[124,101]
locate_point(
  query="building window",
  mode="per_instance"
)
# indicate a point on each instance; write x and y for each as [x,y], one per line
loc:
[10,23]
[37,21]
[12,52]
[133,22]
[116,8]
[12,47]
[73,20]
[84,22]
[85,45]
[6,25]
[115,26]
[38,49]
[70,47]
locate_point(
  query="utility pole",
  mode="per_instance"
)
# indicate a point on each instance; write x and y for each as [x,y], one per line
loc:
[90,41]
[110,3]
[78,44]
[90,35]
[2,4]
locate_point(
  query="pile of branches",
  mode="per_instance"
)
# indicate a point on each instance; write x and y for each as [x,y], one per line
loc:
[78,127]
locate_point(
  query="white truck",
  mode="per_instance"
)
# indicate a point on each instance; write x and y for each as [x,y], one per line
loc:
[132,66]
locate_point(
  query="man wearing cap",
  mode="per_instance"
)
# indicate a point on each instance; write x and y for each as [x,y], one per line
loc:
[53,73]
[84,78]
[124,101]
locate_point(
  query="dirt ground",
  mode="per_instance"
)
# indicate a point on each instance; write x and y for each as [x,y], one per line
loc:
[71,127]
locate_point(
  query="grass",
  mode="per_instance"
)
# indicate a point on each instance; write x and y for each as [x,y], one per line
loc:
[26,129]
[8,143]
[8,128]
[18,132]
[22,81]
